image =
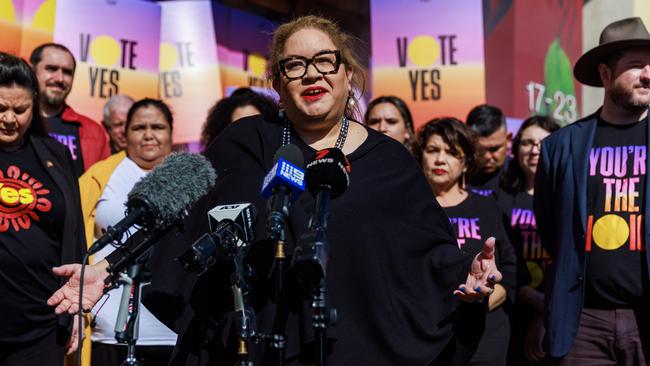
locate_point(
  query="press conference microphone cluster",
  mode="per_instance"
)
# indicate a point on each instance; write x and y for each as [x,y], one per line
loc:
[232,228]
[283,185]
[328,176]
[159,198]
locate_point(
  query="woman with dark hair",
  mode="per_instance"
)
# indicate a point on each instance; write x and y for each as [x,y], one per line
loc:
[40,224]
[516,199]
[104,190]
[243,102]
[446,152]
[391,116]
[393,263]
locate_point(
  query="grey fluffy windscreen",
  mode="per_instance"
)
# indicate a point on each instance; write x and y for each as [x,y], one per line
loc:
[173,186]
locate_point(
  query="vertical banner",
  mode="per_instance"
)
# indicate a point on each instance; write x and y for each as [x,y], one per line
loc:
[116,45]
[37,22]
[243,42]
[429,53]
[530,50]
[10,25]
[190,81]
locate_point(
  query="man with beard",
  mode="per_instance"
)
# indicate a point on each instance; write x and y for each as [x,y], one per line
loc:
[87,141]
[591,202]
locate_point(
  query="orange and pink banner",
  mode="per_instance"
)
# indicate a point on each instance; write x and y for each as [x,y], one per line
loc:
[429,53]
[116,45]
[190,81]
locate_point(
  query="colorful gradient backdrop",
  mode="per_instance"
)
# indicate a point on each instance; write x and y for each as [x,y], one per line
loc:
[418,34]
[109,26]
[190,81]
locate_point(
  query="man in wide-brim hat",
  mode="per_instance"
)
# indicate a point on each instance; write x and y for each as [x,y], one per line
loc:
[591,202]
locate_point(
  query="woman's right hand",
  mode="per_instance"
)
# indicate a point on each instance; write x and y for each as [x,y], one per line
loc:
[67,297]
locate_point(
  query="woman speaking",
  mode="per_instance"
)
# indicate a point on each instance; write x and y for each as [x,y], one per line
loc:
[393,260]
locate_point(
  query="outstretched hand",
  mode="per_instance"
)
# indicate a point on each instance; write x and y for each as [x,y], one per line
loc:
[482,276]
[67,297]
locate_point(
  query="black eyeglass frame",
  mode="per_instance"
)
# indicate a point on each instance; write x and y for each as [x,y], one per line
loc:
[336,53]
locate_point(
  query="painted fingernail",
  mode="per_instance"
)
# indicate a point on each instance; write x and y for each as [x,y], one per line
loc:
[477,289]
[463,290]
[492,277]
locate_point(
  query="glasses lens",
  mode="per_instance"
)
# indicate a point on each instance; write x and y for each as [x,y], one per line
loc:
[325,63]
[294,68]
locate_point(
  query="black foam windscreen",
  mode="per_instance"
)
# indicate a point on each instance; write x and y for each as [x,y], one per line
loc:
[290,153]
[173,186]
[329,170]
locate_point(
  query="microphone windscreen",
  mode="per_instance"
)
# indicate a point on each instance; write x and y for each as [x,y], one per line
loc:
[329,169]
[173,186]
[290,153]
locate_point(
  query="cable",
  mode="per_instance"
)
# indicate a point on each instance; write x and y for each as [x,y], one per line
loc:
[81,312]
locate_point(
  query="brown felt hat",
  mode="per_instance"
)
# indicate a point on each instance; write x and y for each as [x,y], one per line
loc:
[619,35]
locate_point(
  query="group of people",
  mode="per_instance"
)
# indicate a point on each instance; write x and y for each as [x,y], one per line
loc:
[444,250]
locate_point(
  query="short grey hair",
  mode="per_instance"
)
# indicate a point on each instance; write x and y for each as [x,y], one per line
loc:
[110,105]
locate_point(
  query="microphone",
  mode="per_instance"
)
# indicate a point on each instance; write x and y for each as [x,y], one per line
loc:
[283,184]
[232,228]
[328,176]
[157,200]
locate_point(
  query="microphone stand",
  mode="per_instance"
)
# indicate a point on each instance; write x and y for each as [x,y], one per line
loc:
[276,225]
[128,318]
[244,317]
[310,264]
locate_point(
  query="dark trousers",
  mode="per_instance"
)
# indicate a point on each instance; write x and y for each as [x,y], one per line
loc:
[44,351]
[114,355]
[618,337]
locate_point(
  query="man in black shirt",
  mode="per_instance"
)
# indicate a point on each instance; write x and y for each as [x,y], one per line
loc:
[494,140]
[590,202]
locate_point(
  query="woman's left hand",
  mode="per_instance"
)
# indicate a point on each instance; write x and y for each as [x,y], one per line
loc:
[482,277]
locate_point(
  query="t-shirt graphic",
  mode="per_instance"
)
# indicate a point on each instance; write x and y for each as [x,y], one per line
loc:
[22,200]
[466,228]
[614,239]
[524,225]
[68,135]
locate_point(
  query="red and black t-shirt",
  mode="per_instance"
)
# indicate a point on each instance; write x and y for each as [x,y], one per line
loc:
[615,245]
[31,225]
[68,135]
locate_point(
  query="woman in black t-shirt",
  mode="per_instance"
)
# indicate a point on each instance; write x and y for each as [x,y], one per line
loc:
[40,223]
[447,156]
[516,198]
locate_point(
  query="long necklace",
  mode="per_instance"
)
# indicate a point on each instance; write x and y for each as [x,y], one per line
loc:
[340,141]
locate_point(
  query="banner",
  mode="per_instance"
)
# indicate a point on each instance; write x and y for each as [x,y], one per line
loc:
[116,45]
[430,54]
[10,25]
[37,24]
[243,42]
[530,50]
[190,82]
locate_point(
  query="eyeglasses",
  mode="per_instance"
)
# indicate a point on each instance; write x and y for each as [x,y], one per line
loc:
[528,144]
[326,62]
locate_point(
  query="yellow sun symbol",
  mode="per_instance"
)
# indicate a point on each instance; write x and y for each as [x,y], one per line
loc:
[610,232]
[423,51]
[105,51]
[168,56]
[20,196]
[44,16]
[7,11]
